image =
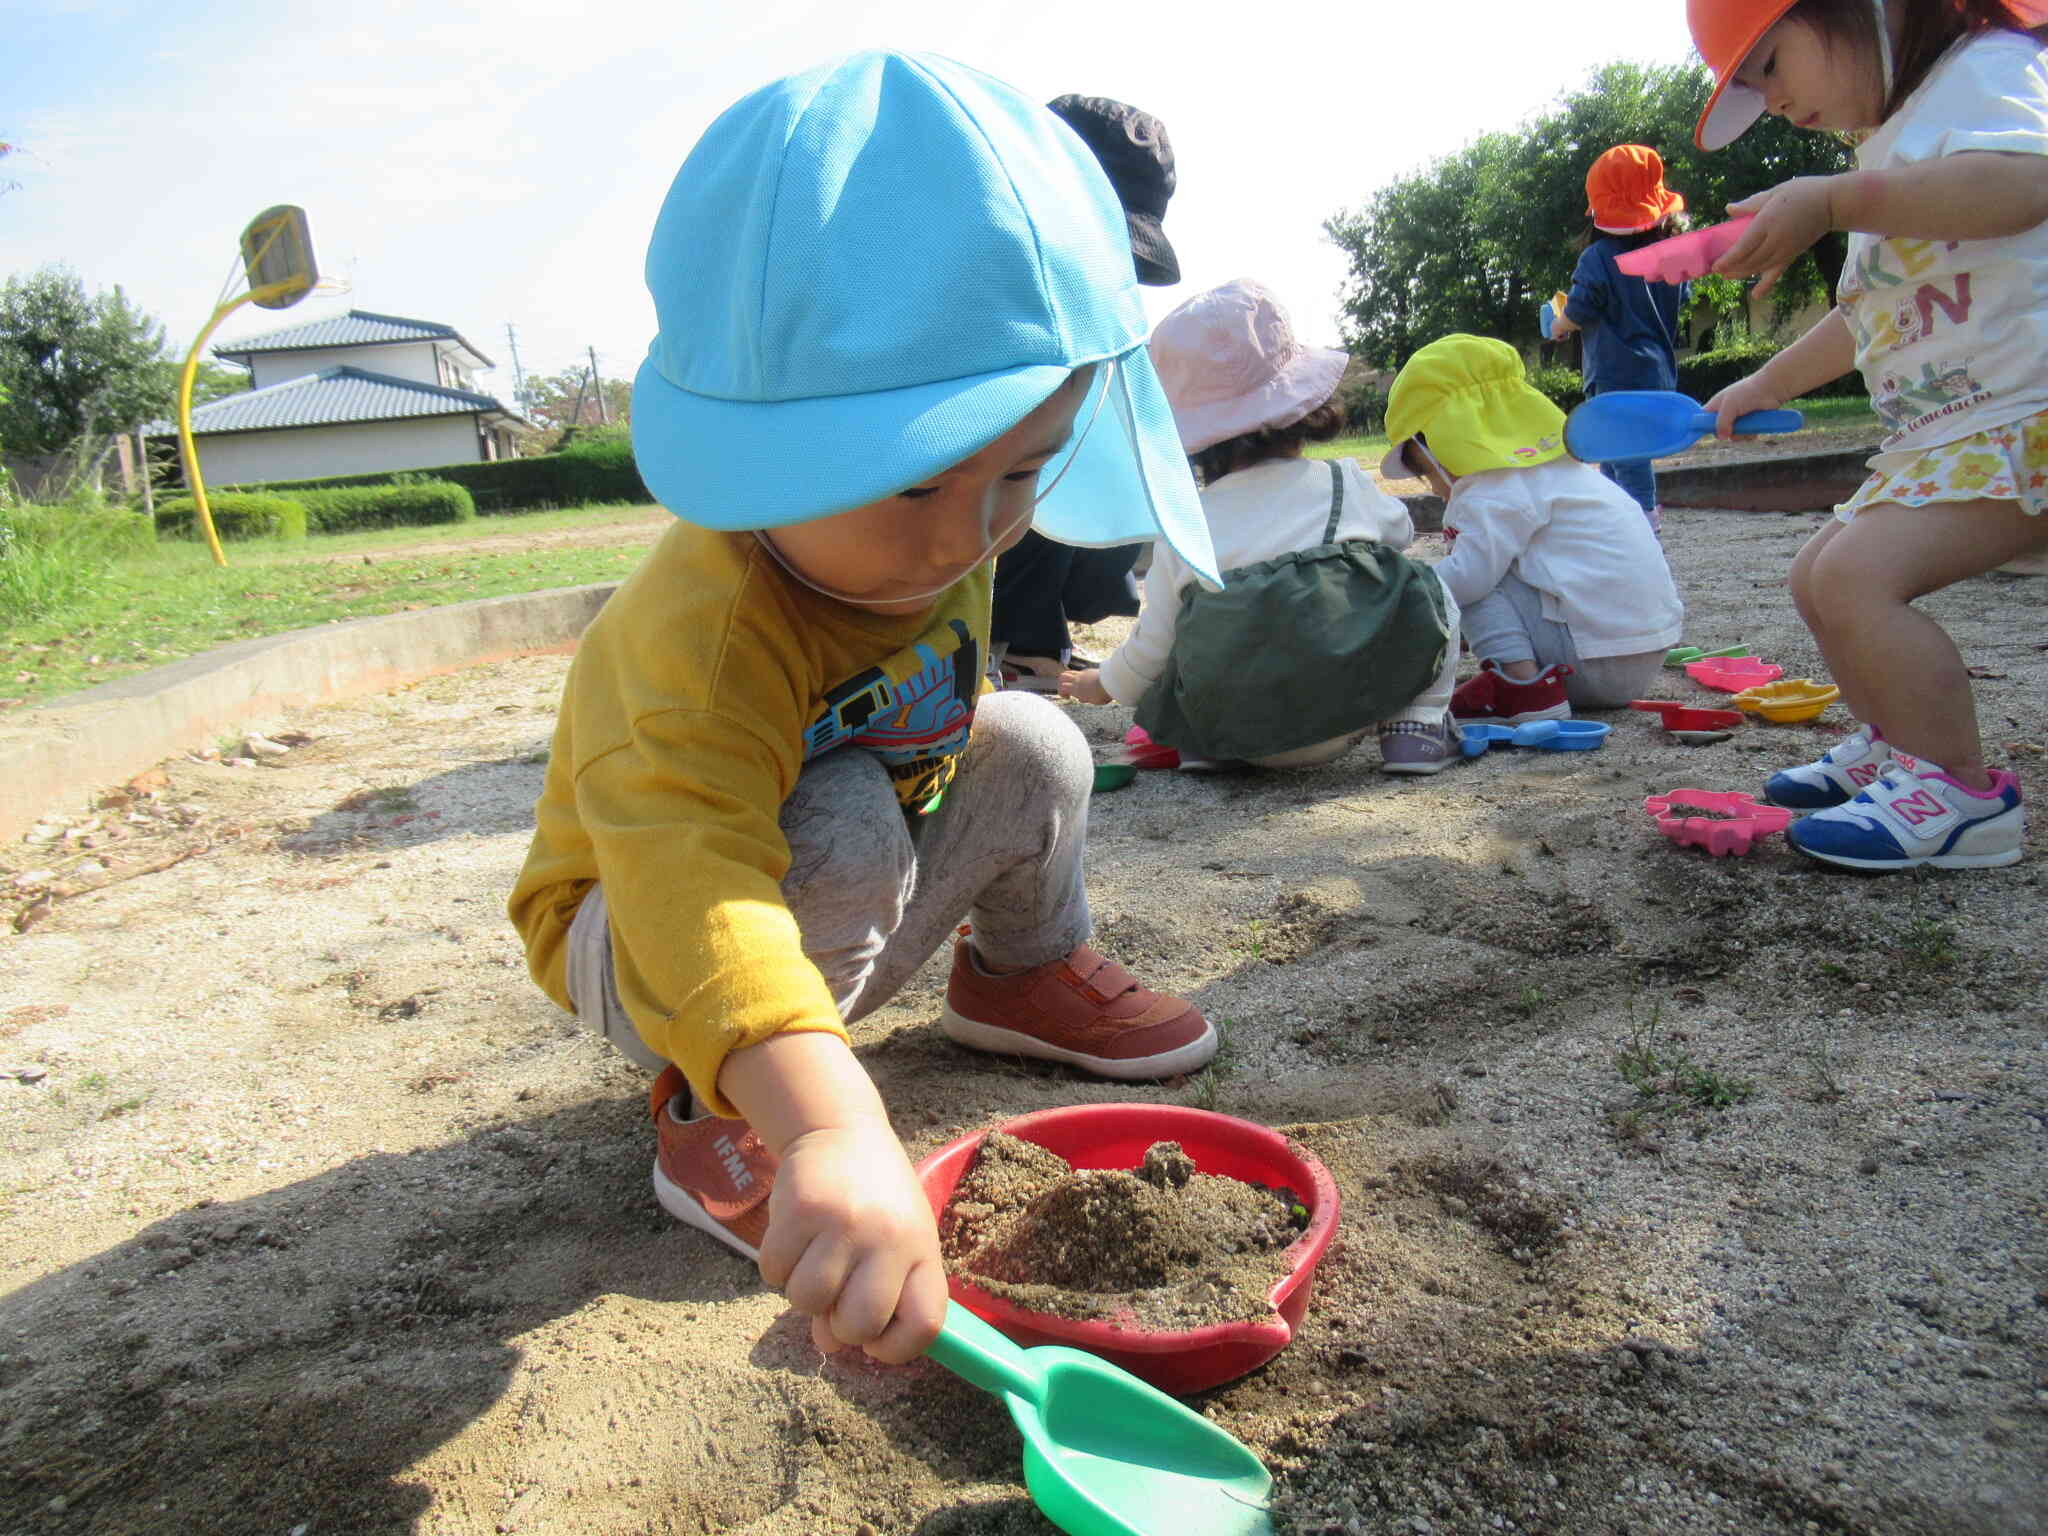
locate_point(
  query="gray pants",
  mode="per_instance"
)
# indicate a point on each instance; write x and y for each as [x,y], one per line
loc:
[1508,625]
[875,892]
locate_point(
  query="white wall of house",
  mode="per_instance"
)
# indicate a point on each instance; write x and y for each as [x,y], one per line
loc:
[302,453]
[401,359]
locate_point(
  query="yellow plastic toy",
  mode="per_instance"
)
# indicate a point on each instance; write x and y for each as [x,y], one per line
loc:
[1789,702]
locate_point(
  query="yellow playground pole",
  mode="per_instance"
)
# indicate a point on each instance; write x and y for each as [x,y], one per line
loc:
[187,450]
[275,242]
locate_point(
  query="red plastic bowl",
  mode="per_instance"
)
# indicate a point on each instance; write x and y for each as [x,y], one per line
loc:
[1753,820]
[1687,717]
[1732,674]
[1116,1136]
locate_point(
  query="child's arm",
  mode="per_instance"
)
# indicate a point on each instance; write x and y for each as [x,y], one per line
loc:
[1136,664]
[1490,535]
[1976,195]
[1586,300]
[1825,352]
[851,1238]
[1085,687]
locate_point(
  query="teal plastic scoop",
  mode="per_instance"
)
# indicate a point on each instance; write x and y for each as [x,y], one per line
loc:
[1105,1454]
[1630,424]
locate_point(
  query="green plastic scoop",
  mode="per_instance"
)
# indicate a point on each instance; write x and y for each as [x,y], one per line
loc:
[1105,1454]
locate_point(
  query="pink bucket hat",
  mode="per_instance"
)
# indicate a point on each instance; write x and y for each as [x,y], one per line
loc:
[1230,365]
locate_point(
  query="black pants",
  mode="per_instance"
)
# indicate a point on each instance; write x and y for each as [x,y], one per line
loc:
[1041,584]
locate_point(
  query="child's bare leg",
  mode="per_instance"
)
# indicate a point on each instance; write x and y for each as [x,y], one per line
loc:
[1899,666]
[1801,583]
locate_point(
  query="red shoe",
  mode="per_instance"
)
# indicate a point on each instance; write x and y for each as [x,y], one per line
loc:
[1141,751]
[711,1173]
[1494,698]
[1084,1010]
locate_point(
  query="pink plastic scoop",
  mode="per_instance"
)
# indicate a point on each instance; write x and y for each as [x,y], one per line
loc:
[1684,257]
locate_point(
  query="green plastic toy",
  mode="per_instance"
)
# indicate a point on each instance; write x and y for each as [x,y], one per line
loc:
[1678,656]
[1105,1454]
[1109,776]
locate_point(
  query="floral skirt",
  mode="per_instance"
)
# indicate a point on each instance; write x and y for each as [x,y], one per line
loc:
[2004,464]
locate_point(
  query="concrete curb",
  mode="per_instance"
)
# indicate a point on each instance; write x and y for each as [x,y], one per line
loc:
[92,740]
[1794,483]
[1801,483]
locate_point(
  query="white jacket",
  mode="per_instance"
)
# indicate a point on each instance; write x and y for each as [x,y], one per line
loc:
[1576,537]
[1271,509]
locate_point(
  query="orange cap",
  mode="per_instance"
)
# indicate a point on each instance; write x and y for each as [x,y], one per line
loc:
[1725,31]
[1625,191]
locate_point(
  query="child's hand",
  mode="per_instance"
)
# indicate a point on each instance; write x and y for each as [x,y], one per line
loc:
[1085,686]
[853,1244]
[1739,399]
[1789,218]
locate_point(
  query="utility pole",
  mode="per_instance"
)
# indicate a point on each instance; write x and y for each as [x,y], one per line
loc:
[576,411]
[518,373]
[148,492]
[597,388]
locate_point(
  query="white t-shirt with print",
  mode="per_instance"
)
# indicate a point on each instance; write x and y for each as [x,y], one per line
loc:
[1952,336]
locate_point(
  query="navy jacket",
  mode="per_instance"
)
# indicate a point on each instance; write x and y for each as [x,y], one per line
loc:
[1630,323]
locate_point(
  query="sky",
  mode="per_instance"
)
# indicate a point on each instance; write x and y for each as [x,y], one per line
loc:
[485,163]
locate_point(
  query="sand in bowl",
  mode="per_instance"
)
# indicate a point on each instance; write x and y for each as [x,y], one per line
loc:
[1159,1246]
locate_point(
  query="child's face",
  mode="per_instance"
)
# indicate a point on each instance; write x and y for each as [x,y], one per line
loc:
[1812,84]
[895,555]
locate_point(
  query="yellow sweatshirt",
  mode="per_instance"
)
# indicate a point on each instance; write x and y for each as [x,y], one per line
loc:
[695,697]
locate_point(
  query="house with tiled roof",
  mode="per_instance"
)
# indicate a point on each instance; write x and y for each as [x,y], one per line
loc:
[347,394]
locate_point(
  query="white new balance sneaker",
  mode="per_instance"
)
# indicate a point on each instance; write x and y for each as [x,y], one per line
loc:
[1838,774]
[1913,813]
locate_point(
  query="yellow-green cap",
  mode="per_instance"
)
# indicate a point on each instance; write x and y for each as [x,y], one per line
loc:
[1468,395]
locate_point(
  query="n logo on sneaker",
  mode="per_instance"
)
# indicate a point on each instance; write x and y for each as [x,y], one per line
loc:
[735,1165]
[1863,773]
[1920,807]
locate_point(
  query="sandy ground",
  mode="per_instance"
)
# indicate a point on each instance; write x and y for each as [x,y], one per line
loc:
[316,1218]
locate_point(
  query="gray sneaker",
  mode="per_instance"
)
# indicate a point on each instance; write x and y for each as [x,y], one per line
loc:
[1416,746]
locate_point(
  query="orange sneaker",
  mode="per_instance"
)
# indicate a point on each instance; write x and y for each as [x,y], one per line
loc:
[1084,1010]
[711,1173]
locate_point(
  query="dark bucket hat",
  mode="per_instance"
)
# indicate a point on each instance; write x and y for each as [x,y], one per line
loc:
[1138,159]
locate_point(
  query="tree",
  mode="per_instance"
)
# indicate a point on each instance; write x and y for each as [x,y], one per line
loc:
[75,368]
[565,399]
[1475,240]
[213,381]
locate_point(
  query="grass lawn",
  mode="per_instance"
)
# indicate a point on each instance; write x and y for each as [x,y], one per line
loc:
[175,602]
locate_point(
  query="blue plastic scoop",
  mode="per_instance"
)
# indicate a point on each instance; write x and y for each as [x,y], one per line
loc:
[1549,735]
[1632,424]
[1105,1454]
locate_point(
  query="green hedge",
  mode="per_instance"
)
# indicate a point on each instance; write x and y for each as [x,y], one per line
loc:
[236,515]
[340,508]
[1562,386]
[598,469]
[1706,374]
[1703,375]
